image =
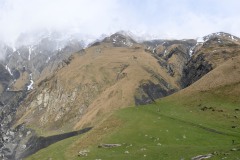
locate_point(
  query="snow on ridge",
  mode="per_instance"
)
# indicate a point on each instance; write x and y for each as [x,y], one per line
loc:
[200,40]
[234,38]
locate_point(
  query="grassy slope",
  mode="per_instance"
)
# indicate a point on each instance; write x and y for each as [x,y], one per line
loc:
[173,128]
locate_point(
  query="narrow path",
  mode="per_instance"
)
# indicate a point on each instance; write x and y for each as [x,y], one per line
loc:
[200,126]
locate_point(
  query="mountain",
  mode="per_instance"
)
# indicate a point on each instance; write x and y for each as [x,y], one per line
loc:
[52,92]
[20,70]
[94,82]
[209,54]
[199,122]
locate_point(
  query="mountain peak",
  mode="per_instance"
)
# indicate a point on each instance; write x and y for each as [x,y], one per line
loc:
[218,35]
[120,39]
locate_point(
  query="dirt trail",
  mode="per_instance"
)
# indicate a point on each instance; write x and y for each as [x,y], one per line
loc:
[200,126]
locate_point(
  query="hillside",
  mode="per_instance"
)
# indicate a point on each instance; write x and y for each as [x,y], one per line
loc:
[199,121]
[93,83]
[94,87]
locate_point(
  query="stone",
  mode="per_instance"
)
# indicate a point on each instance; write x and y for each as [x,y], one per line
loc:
[109,145]
[83,153]
[234,149]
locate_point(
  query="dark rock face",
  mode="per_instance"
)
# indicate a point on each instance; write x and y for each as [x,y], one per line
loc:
[214,50]
[194,70]
[171,54]
[10,138]
[149,92]
[35,58]
[5,78]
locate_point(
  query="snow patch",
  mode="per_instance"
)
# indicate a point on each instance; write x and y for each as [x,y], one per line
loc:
[30,86]
[8,69]
[191,51]
[48,59]
[29,53]
[165,53]
[14,49]
[233,38]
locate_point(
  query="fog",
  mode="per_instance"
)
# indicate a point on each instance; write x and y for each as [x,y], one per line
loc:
[89,19]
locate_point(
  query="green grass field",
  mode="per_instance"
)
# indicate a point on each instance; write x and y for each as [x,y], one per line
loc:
[174,128]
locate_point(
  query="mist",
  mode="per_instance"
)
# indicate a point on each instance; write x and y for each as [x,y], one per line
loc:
[90,19]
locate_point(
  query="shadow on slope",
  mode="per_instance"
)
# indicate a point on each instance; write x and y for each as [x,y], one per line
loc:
[37,143]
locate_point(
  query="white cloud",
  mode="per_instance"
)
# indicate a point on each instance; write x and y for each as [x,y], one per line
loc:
[173,19]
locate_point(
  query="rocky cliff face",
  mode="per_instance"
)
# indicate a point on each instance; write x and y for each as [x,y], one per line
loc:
[5,78]
[172,54]
[29,63]
[20,70]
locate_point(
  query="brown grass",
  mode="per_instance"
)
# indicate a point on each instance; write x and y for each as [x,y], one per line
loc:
[104,79]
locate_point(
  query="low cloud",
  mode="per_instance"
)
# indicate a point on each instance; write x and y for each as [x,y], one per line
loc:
[165,19]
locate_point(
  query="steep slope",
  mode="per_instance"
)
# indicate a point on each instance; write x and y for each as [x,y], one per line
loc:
[209,53]
[5,78]
[226,74]
[172,54]
[28,63]
[199,121]
[93,83]
[20,70]
[117,72]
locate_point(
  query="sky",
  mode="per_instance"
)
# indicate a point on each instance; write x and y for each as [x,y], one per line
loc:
[178,19]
